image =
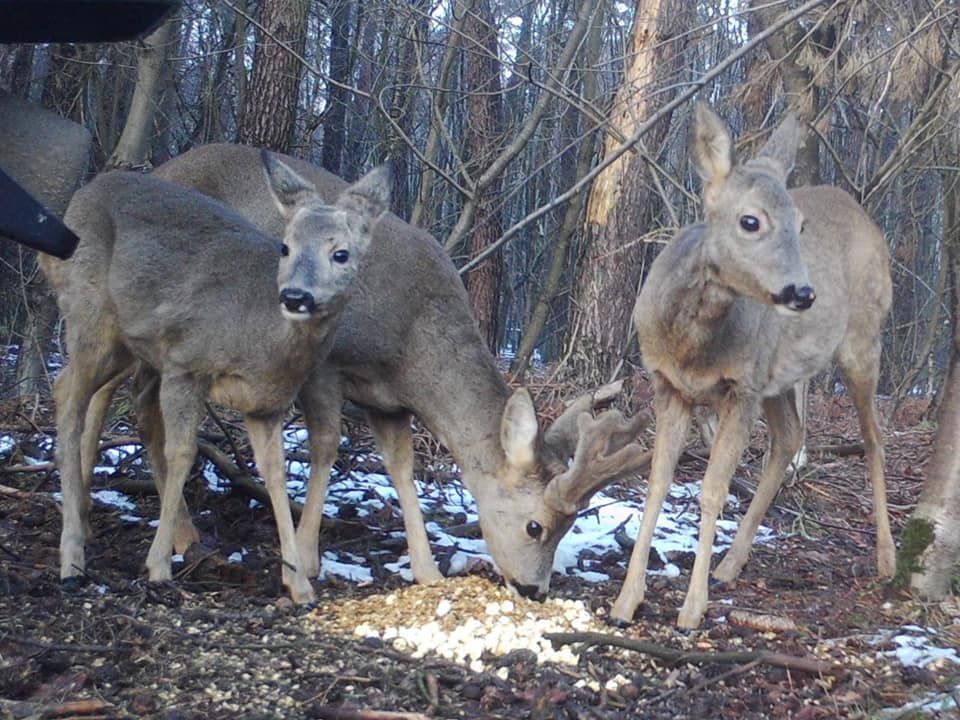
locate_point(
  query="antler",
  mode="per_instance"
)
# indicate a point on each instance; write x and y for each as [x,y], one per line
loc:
[606,450]
[563,433]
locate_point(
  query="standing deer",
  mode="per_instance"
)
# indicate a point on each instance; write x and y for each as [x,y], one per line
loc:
[207,306]
[766,292]
[407,345]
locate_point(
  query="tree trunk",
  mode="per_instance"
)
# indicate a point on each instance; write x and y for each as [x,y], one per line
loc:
[571,217]
[609,272]
[483,135]
[133,148]
[335,115]
[799,85]
[269,113]
[930,542]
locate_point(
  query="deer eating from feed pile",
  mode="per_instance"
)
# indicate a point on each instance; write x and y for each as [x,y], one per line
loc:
[770,288]
[408,344]
[178,284]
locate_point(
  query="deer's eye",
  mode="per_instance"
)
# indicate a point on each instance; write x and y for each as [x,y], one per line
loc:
[341,256]
[749,223]
[534,529]
[284,249]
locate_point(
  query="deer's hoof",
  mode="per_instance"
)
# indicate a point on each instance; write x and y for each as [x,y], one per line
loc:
[73,584]
[618,623]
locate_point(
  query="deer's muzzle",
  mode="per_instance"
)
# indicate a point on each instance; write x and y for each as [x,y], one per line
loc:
[794,298]
[297,301]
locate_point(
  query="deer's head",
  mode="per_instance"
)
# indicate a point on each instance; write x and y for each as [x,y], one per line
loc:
[753,226]
[540,489]
[322,244]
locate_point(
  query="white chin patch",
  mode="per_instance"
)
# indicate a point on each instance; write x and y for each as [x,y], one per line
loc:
[786,310]
[300,314]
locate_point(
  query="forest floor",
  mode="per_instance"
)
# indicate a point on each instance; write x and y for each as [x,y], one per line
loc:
[224,641]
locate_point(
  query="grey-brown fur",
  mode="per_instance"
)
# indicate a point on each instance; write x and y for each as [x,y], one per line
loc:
[408,344]
[182,286]
[711,335]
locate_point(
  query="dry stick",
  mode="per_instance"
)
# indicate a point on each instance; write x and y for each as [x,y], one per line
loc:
[663,652]
[683,97]
[329,712]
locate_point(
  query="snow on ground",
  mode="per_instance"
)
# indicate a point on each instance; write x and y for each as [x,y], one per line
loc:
[593,536]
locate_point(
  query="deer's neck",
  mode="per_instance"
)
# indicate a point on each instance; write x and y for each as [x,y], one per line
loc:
[464,411]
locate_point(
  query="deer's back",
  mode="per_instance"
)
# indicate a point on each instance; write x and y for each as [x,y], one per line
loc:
[172,269]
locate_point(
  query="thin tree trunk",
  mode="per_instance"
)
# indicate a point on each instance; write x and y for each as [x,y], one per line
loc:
[571,218]
[335,116]
[133,148]
[483,135]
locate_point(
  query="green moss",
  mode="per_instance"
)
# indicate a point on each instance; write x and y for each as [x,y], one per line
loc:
[917,535]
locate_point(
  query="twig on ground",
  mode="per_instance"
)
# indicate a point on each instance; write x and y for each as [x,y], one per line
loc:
[669,654]
[329,712]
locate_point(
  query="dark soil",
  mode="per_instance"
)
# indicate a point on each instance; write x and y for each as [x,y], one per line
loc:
[223,641]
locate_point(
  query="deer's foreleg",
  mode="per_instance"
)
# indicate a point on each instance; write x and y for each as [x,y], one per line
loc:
[732,436]
[673,416]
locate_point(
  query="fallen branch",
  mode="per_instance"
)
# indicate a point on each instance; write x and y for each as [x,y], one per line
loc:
[91,708]
[329,712]
[671,655]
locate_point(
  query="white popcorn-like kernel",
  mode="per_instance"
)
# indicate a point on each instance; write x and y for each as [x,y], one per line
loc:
[444,607]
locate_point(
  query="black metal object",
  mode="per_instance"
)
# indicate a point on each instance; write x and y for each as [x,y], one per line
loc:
[79,21]
[22,218]
[25,220]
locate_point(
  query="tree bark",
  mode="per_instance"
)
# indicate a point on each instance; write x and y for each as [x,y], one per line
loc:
[609,273]
[335,114]
[133,148]
[483,136]
[269,113]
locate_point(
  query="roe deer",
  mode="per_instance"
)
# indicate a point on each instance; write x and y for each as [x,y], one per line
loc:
[206,305]
[728,318]
[407,345]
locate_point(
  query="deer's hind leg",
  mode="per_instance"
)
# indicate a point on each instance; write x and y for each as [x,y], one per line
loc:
[861,371]
[96,359]
[395,439]
[146,400]
[786,438]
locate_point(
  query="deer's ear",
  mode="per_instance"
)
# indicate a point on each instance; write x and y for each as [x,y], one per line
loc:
[368,197]
[289,189]
[711,145]
[519,429]
[781,147]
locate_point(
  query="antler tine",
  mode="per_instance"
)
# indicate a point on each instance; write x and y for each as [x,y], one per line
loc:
[606,451]
[563,433]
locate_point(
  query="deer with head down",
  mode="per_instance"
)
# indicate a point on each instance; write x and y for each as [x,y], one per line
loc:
[205,305]
[408,344]
[769,289]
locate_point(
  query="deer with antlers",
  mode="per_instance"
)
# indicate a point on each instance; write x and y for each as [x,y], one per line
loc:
[769,289]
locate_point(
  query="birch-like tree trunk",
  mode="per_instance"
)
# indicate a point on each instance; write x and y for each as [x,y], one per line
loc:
[609,271]
[930,542]
[133,147]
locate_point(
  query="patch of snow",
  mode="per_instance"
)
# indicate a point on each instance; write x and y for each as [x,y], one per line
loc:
[353,572]
[7,445]
[917,649]
[114,499]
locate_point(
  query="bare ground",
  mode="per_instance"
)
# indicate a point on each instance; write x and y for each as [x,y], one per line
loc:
[224,642]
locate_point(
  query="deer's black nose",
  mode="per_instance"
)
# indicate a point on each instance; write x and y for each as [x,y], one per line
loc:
[795,298]
[531,592]
[297,301]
